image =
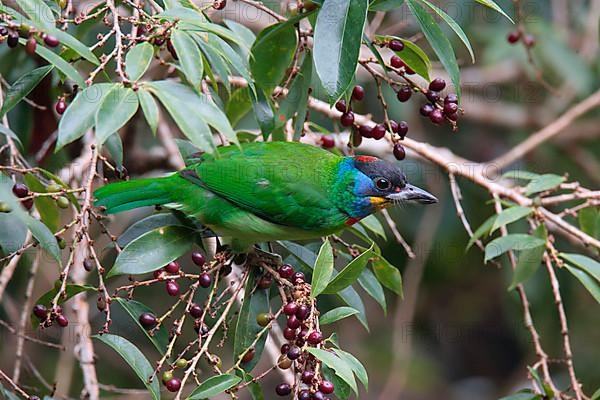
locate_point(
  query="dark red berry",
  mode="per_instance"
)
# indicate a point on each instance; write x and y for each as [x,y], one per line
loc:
[248,356]
[451,98]
[303,312]
[404,93]
[285,348]
[60,106]
[426,109]
[450,108]
[13,39]
[147,320]
[378,131]
[20,190]
[341,105]
[205,280]
[315,337]
[513,37]
[40,311]
[436,116]
[219,4]
[293,322]
[265,282]
[195,310]
[173,384]
[394,126]
[327,141]
[326,387]
[358,93]
[452,117]
[304,395]
[347,118]
[298,277]
[529,40]
[432,96]
[308,376]
[51,41]
[303,333]
[198,258]
[200,327]
[396,62]
[290,308]
[62,321]
[300,342]
[294,353]
[289,334]
[399,152]
[437,85]
[318,395]
[172,288]
[396,45]
[283,389]
[172,267]
[30,46]
[286,271]
[402,128]
[158,274]
[365,131]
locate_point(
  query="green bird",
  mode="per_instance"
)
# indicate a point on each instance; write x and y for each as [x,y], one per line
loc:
[271,191]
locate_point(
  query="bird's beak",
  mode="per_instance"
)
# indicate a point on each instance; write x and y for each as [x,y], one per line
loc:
[413,194]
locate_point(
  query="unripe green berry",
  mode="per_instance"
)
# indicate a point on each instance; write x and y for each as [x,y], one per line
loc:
[181,363]
[62,202]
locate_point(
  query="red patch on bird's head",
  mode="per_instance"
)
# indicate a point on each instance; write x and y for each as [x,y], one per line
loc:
[366,158]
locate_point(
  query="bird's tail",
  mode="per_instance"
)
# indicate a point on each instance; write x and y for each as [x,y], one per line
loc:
[123,196]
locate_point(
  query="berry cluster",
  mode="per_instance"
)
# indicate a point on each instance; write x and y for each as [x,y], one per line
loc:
[12,32]
[22,192]
[516,36]
[47,318]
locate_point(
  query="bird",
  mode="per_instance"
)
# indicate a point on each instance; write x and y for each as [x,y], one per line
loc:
[266,191]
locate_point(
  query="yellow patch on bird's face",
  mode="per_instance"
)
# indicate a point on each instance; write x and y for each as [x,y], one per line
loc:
[379,202]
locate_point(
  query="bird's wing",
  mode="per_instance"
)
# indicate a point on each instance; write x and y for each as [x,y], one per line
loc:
[288,184]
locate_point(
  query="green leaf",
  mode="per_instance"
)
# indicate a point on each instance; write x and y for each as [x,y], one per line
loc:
[135,358]
[44,237]
[491,4]
[118,107]
[587,264]
[22,87]
[138,60]
[482,230]
[438,41]
[114,146]
[337,41]
[589,221]
[159,337]
[339,365]
[516,241]
[149,107]
[38,11]
[263,111]
[586,280]
[455,27]
[13,233]
[336,314]
[189,57]
[256,301]
[412,55]
[45,205]
[523,396]
[246,36]
[351,298]
[322,270]
[296,100]
[368,281]
[388,275]
[145,255]
[342,390]
[349,274]
[51,177]
[527,264]
[7,132]
[520,175]
[357,367]
[60,64]
[385,5]
[79,116]
[543,183]
[509,216]
[254,388]
[214,386]
[374,225]
[148,224]
[238,105]
[71,290]
[596,395]
[272,53]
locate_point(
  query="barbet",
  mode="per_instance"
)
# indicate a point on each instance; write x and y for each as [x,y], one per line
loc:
[271,191]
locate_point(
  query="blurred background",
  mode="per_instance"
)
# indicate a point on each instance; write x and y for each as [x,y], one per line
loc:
[458,334]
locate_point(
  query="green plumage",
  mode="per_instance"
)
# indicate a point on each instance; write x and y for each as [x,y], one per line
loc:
[265,191]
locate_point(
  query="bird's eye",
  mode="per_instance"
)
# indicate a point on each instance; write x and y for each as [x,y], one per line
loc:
[382,184]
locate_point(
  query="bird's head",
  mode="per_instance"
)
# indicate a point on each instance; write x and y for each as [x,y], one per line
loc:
[386,185]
